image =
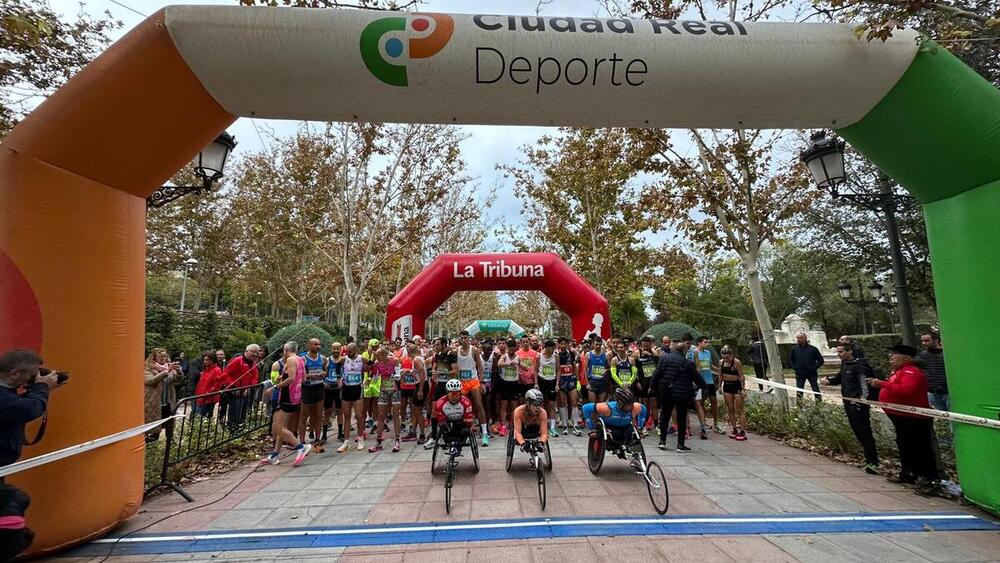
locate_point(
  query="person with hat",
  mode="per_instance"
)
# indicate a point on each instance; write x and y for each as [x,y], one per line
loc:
[914,432]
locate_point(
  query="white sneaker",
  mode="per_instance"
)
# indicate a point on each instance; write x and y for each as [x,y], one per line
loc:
[343,449]
[361,444]
[301,456]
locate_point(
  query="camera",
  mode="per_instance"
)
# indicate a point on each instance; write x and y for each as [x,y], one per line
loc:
[61,376]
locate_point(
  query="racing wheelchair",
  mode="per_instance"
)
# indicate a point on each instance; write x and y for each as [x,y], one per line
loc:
[626,444]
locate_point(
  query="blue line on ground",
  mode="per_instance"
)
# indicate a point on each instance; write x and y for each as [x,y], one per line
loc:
[529,528]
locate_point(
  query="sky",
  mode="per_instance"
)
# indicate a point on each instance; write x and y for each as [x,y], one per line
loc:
[486,146]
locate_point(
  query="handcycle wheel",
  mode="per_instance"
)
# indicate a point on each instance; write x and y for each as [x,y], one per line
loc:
[656,484]
[596,447]
[448,481]
[548,461]
[540,475]
[510,450]
[475,452]
[434,455]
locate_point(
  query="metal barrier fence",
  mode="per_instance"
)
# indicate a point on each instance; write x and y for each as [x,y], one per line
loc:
[209,421]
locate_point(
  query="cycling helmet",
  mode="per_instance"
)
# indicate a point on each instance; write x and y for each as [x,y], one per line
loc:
[624,396]
[453,385]
[533,397]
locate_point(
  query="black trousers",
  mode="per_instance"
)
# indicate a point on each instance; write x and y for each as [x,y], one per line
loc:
[669,405]
[761,372]
[800,382]
[860,420]
[914,437]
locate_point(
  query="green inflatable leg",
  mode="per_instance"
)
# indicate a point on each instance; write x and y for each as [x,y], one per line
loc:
[964,234]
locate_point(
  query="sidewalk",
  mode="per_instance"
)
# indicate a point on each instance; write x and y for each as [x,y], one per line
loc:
[720,477]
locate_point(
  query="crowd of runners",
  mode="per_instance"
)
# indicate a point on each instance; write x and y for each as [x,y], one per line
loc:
[385,393]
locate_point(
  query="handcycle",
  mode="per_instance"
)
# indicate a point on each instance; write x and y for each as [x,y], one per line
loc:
[451,461]
[542,461]
[630,449]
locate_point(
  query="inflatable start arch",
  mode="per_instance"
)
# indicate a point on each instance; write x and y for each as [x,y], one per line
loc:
[451,273]
[74,176]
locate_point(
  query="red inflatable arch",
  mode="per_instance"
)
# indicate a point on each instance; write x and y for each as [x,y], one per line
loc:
[545,272]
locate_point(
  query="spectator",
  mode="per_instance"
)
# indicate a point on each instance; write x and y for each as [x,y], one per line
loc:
[932,357]
[856,347]
[21,368]
[241,371]
[758,358]
[209,382]
[853,380]
[160,374]
[675,382]
[665,346]
[914,432]
[220,358]
[806,361]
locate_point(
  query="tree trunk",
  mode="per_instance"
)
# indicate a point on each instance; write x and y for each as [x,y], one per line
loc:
[775,371]
[355,305]
[298,311]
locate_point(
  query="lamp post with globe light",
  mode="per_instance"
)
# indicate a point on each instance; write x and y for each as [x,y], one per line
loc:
[825,160]
[211,162]
[874,290]
[189,265]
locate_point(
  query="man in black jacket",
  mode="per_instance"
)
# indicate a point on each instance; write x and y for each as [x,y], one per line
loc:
[852,380]
[675,383]
[806,361]
[17,369]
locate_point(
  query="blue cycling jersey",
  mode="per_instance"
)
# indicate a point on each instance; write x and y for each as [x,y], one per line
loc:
[617,419]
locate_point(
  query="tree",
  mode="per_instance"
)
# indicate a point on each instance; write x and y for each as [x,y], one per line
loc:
[581,203]
[39,52]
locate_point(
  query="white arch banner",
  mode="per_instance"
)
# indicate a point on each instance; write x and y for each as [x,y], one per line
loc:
[350,65]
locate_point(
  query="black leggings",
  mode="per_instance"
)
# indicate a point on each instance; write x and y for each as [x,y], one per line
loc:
[667,406]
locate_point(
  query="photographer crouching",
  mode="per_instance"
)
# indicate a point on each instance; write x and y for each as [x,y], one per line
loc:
[24,396]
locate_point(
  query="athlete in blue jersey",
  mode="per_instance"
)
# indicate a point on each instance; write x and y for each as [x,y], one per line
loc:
[618,415]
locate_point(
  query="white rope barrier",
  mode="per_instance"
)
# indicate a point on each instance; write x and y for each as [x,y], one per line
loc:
[934,413]
[84,447]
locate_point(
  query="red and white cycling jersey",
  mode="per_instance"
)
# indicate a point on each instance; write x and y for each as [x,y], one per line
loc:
[446,411]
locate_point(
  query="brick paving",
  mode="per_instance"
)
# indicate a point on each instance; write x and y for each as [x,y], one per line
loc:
[721,476]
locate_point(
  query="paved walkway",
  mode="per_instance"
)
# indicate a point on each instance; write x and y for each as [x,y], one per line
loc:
[720,478]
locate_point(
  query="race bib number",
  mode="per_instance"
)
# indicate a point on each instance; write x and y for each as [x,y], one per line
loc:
[566,370]
[548,372]
[597,371]
[409,377]
[352,378]
[509,373]
[465,374]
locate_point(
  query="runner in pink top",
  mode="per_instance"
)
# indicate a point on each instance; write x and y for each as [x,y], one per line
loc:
[527,367]
[289,387]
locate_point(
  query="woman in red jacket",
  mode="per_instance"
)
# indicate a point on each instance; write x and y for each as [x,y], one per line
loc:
[914,432]
[209,382]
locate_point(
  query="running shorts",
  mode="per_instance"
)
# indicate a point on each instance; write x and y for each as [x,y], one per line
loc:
[598,386]
[331,398]
[312,394]
[709,390]
[508,390]
[350,393]
[289,408]
[388,395]
[567,384]
[468,386]
[548,389]
[731,387]
[417,400]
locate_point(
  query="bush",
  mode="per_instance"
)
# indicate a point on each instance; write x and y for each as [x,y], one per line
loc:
[237,340]
[672,329]
[876,347]
[300,333]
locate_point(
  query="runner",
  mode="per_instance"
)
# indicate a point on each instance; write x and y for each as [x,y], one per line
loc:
[490,357]
[292,371]
[370,383]
[597,378]
[733,391]
[350,395]
[471,373]
[445,371]
[548,362]
[527,368]
[646,362]
[313,395]
[530,421]
[622,367]
[389,397]
[568,383]
[508,388]
[413,391]
[582,355]
[702,358]
[331,393]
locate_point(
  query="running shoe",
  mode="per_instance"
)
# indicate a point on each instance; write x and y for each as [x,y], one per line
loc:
[682,449]
[376,448]
[662,445]
[270,459]
[303,450]
[409,437]
[361,444]
[318,448]
[576,432]
[871,469]
[503,429]
[733,434]
[704,435]
[486,440]
[554,432]
[741,437]
[657,432]
[395,447]
[369,423]
[429,445]
[718,429]
[344,448]
[421,439]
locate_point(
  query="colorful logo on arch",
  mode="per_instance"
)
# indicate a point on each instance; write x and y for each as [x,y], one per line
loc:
[388,43]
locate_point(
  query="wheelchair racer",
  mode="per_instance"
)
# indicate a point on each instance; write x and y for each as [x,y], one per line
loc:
[453,413]
[531,423]
[618,415]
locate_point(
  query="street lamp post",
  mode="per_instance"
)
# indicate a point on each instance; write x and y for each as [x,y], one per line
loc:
[825,159]
[875,290]
[189,265]
[211,162]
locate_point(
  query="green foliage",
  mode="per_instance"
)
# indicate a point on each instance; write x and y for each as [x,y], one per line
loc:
[300,333]
[876,347]
[238,339]
[209,331]
[672,329]
[161,321]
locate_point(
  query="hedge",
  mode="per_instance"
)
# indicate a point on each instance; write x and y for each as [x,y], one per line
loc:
[876,348]
[672,329]
[300,333]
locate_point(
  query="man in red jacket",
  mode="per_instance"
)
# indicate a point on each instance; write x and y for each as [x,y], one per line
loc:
[241,371]
[914,432]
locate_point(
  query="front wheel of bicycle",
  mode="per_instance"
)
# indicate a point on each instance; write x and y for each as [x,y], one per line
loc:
[656,483]
[540,475]
[448,481]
